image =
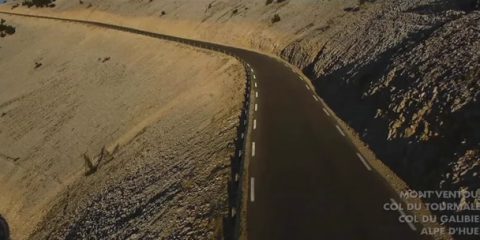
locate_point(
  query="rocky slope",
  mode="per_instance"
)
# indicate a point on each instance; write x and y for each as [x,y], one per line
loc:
[158,129]
[404,74]
[409,84]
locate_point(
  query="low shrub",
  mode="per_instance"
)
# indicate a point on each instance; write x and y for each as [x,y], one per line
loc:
[276,18]
[6,29]
[38,3]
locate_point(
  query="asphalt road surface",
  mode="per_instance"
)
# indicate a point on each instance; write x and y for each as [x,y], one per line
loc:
[306,178]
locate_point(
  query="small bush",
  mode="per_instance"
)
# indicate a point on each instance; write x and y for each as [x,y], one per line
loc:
[105,59]
[351,9]
[90,167]
[92,164]
[276,18]
[271,1]
[361,2]
[38,3]
[235,11]
[6,29]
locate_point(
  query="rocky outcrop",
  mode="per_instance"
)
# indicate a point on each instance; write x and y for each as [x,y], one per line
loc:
[408,79]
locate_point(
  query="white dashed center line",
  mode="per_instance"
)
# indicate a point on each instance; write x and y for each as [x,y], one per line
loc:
[315,97]
[340,130]
[239,153]
[252,189]
[256,107]
[364,162]
[410,224]
[254,77]
[255,84]
[253,149]
[254,124]
[307,86]
[326,112]
[256,94]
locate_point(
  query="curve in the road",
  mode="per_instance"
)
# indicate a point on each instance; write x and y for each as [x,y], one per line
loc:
[306,180]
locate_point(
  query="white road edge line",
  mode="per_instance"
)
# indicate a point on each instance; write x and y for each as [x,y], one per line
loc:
[340,130]
[252,189]
[256,107]
[364,162]
[253,149]
[410,224]
[326,112]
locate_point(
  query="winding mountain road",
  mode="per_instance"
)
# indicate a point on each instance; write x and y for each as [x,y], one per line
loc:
[306,179]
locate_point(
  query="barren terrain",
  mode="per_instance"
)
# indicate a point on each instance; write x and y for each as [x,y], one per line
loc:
[407,70]
[403,74]
[158,127]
